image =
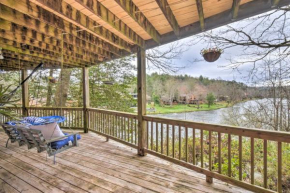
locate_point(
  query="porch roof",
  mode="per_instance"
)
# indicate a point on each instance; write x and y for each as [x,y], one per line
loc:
[89,32]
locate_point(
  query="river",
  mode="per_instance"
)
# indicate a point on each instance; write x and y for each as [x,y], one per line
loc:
[214,116]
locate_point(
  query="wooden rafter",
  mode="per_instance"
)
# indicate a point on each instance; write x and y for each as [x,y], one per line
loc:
[11,53]
[8,21]
[41,53]
[131,9]
[245,10]
[97,10]
[33,38]
[167,12]
[235,9]
[73,26]
[52,50]
[200,14]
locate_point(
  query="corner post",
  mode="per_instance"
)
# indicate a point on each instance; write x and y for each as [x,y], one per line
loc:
[86,98]
[24,90]
[141,86]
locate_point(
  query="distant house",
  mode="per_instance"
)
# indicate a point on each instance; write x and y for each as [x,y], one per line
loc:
[223,98]
[183,99]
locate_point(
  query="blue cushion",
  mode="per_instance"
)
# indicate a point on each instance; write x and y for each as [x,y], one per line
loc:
[71,138]
[61,143]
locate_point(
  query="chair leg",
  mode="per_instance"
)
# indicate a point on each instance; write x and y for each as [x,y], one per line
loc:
[54,159]
[7,142]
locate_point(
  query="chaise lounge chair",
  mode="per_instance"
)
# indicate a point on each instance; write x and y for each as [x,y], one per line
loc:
[13,134]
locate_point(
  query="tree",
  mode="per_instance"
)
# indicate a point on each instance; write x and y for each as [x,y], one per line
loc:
[62,87]
[210,98]
[116,96]
[171,87]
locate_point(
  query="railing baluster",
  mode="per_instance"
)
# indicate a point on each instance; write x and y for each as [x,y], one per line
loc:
[135,126]
[173,141]
[186,144]
[219,152]
[132,130]
[124,137]
[147,126]
[201,148]
[167,139]
[193,147]
[252,160]
[209,150]
[265,163]
[151,135]
[156,128]
[240,157]
[179,143]
[161,138]
[279,183]
[229,155]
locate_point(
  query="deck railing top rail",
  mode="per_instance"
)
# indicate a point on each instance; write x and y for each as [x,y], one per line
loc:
[278,136]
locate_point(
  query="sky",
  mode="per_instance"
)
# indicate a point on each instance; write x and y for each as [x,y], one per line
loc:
[214,70]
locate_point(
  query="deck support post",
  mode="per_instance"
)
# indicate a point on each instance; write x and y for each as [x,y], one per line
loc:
[209,179]
[25,99]
[86,98]
[141,86]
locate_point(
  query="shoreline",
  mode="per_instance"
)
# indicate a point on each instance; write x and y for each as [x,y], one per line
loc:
[182,108]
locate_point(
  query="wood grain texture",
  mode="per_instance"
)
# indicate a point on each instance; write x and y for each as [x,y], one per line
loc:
[114,168]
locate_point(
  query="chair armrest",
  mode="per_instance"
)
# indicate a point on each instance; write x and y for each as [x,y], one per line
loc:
[58,138]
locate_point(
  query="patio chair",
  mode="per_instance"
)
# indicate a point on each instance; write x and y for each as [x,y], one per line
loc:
[34,138]
[13,134]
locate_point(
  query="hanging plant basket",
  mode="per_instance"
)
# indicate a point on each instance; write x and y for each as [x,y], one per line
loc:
[52,79]
[211,54]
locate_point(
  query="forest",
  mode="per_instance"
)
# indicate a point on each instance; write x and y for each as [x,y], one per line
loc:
[113,86]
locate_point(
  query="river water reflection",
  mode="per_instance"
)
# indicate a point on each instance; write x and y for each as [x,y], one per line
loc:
[214,116]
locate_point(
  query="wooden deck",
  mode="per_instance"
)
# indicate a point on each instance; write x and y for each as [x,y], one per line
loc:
[96,166]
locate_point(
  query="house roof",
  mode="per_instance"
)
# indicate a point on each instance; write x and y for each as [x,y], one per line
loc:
[89,32]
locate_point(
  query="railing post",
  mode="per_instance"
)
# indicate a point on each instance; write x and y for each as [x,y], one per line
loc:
[24,91]
[86,98]
[141,85]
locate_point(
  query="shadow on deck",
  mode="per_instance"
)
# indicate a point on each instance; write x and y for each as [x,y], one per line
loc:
[96,166]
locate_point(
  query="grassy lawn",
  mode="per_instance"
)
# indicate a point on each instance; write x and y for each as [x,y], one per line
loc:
[186,108]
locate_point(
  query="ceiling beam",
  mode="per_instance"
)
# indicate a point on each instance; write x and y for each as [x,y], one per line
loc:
[37,52]
[51,17]
[200,14]
[235,9]
[95,9]
[167,12]
[28,36]
[134,12]
[14,17]
[18,61]
[246,10]
[26,41]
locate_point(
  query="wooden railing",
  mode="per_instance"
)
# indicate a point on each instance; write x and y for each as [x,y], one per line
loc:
[255,159]
[16,110]
[116,125]
[74,115]
[230,154]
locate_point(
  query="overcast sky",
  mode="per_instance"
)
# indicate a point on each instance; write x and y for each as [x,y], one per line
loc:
[208,69]
[215,69]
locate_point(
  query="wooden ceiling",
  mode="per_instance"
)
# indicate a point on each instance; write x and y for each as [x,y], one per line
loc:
[88,32]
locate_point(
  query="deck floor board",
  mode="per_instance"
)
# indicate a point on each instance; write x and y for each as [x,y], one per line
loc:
[97,166]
